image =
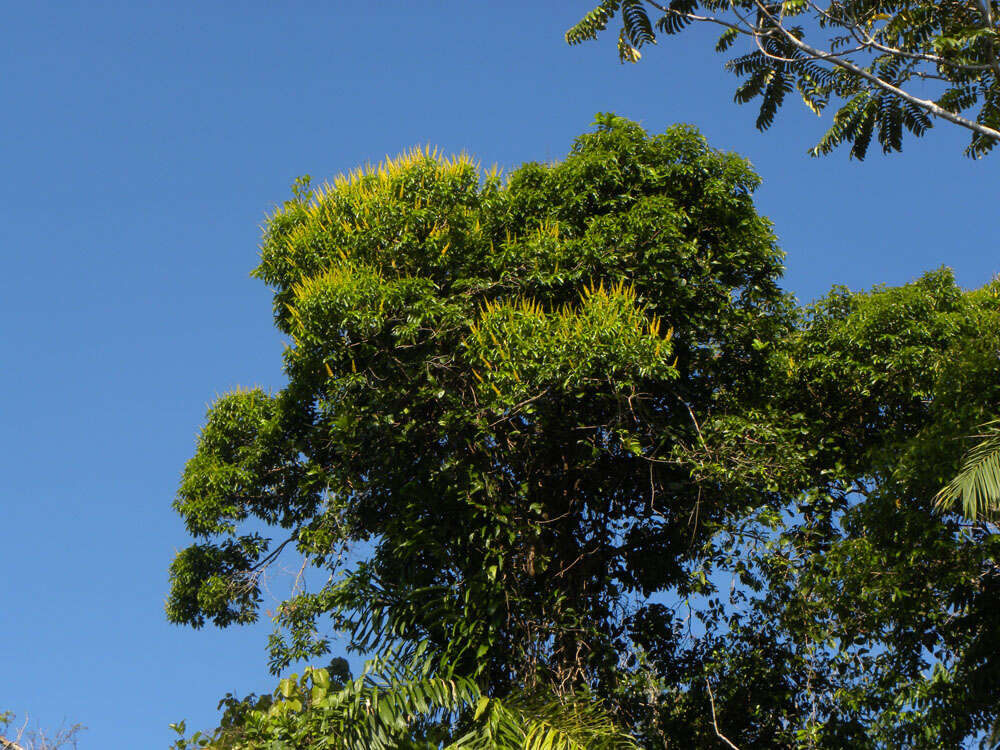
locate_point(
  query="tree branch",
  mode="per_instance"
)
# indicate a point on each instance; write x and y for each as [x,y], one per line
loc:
[840,60]
[924,104]
[715,724]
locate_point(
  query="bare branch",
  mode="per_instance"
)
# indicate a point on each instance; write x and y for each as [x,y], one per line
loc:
[715,724]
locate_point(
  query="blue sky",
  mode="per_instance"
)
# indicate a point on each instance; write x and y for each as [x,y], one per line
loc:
[143,143]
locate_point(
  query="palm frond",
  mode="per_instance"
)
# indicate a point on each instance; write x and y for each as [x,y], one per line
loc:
[396,703]
[977,484]
[521,722]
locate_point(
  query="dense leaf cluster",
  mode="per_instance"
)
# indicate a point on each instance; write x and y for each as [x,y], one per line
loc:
[874,614]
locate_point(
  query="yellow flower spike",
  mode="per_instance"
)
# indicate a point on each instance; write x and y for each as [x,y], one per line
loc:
[445,249]
[328,370]
[354,367]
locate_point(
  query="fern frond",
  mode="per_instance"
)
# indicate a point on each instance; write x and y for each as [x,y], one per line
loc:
[989,115]
[593,23]
[752,86]
[773,97]
[862,133]
[636,22]
[675,20]
[959,98]
[626,52]
[845,124]
[890,124]
[915,119]
[726,40]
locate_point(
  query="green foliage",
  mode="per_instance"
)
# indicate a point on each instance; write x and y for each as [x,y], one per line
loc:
[568,458]
[486,380]
[977,485]
[878,63]
[406,708]
[856,608]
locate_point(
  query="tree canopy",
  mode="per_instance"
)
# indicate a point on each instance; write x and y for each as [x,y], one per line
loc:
[891,67]
[485,383]
[559,442]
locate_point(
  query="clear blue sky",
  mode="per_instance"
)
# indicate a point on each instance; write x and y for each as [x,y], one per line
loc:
[143,142]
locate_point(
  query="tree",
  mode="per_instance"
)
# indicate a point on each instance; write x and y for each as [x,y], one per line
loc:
[562,435]
[876,60]
[870,617]
[486,381]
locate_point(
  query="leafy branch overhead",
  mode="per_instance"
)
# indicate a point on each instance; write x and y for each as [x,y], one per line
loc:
[889,67]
